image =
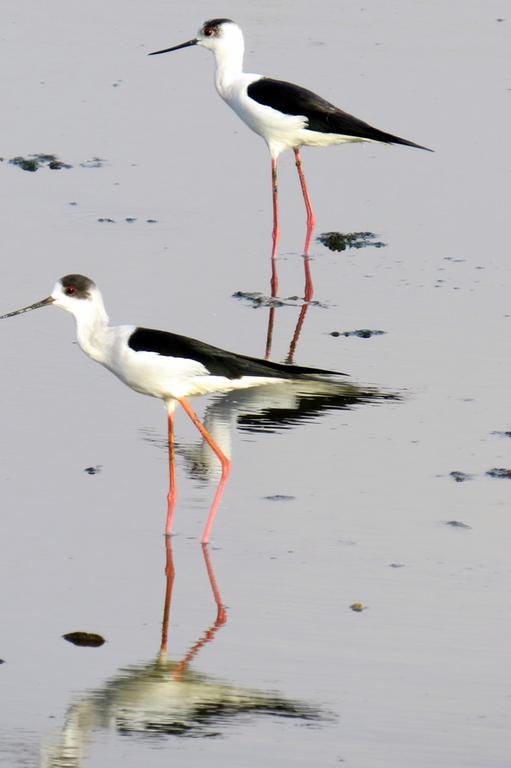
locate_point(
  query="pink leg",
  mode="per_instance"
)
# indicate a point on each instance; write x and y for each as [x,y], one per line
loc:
[276,229]
[172,494]
[224,461]
[311,222]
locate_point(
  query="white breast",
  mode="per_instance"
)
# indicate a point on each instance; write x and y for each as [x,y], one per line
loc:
[278,130]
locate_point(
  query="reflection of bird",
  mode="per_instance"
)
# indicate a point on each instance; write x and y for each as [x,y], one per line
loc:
[287,116]
[269,409]
[165,698]
[164,365]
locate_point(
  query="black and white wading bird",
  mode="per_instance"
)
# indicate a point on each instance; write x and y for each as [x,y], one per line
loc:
[166,366]
[287,116]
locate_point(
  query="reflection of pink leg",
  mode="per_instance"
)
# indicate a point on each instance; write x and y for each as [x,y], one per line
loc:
[224,461]
[221,614]
[269,333]
[209,634]
[311,222]
[296,334]
[172,494]
[169,573]
[276,229]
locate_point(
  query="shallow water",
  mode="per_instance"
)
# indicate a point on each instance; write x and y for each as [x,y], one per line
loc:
[326,497]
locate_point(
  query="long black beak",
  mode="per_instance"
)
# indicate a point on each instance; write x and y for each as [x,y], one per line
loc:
[175,47]
[43,303]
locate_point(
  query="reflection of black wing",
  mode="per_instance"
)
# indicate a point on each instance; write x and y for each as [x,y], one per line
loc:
[321,115]
[306,408]
[218,361]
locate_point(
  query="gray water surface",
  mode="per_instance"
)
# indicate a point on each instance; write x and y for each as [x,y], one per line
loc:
[329,503]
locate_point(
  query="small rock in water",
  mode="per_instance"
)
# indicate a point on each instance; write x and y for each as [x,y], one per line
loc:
[279,497]
[500,472]
[457,524]
[357,607]
[130,219]
[104,219]
[85,639]
[93,470]
[460,477]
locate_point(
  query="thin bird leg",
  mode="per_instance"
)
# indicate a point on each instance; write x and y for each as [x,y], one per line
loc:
[172,494]
[276,229]
[224,461]
[311,223]
[169,584]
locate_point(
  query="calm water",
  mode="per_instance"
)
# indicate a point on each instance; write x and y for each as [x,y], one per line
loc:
[333,500]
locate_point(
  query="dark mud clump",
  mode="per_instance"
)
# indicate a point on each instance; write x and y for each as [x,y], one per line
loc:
[500,472]
[85,639]
[342,241]
[459,477]
[33,162]
[361,333]
[458,524]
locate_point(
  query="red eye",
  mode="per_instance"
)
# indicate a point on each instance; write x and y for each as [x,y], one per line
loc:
[70,290]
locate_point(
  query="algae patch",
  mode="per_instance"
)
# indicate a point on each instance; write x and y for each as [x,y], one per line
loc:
[342,241]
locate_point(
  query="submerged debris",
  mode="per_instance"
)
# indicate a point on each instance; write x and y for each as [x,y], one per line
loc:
[500,472]
[33,162]
[260,300]
[460,477]
[341,241]
[86,639]
[361,333]
[94,162]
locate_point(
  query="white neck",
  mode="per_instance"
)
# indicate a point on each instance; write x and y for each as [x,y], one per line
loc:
[229,59]
[92,327]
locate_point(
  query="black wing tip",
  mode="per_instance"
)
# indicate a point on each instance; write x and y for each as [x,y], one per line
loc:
[412,144]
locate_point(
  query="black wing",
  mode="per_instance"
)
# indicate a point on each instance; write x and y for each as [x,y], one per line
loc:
[321,115]
[218,362]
